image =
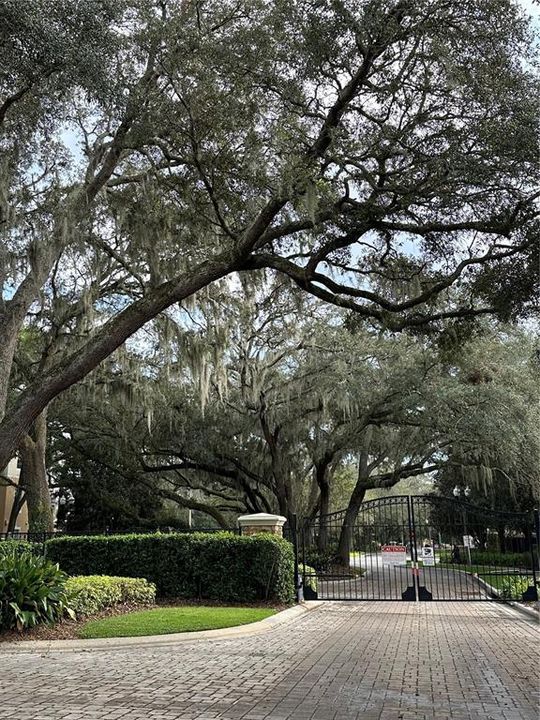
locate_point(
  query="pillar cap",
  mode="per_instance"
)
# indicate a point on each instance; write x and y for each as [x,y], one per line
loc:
[262,519]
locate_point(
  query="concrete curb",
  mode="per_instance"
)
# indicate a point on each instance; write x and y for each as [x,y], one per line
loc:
[524,610]
[150,641]
[492,590]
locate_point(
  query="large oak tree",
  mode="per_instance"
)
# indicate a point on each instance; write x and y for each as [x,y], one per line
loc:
[377,153]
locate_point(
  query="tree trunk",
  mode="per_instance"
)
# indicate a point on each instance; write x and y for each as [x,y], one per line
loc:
[322,478]
[282,488]
[33,477]
[501,532]
[314,500]
[357,497]
[100,345]
[12,315]
[8,335]
[347,530]
[282,498]
[18,502]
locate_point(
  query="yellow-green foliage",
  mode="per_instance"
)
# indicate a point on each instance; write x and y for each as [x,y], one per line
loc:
[91,593]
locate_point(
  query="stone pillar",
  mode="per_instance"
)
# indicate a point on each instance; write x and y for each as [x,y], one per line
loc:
[262,522]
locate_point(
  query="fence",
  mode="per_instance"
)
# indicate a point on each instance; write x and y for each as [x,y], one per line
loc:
[41,537]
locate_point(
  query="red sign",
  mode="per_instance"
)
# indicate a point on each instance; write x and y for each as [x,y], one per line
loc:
[393,548]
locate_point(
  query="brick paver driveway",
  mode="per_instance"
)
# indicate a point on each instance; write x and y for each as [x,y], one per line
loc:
[341,661]
[389,583]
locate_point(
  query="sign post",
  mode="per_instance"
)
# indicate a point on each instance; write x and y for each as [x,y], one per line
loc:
[428,556]
[468,542]
[394,554]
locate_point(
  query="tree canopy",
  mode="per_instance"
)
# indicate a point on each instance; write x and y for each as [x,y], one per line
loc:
[264,409]
[383,156]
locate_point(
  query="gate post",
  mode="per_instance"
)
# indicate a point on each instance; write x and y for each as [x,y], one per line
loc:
[294,538]
[537,533]
[411,592]
[261,522]
[532,592]
[422,593]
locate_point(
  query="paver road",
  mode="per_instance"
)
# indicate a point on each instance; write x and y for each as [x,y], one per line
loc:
[389,582]
[368,660]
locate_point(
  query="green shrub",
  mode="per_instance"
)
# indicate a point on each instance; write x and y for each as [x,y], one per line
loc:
[489,558]
[8,546]
[485,557]
[309,576]
[32,590]
[513,587]
[217,566]
[321,560]
[91,593]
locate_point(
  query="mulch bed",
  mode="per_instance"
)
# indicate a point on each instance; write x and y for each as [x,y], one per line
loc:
[69,629]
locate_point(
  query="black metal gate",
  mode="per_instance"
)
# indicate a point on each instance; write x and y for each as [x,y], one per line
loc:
[420,548]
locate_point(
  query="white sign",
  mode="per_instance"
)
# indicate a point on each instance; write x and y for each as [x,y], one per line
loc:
[394,554]
[468,541]
[428,556]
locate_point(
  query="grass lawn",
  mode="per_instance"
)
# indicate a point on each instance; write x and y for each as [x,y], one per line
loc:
[494,580]
[486,570]
[494,575]
[160,621]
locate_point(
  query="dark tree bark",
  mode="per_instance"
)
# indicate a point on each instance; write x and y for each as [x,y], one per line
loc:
[322,477]
[113,334]
[351,514]
[33,478]
[501,533]
[366,481]
[18,503]
[281,485]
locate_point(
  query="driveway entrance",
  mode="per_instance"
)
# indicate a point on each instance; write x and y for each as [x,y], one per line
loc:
[422,547]
[341,661]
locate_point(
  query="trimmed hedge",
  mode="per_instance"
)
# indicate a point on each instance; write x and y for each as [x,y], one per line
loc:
[513,560]
[215,566]
[91,593]
[9,546]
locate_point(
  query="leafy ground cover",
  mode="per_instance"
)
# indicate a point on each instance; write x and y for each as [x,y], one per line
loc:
[161,621]
[510,584]
[496,581]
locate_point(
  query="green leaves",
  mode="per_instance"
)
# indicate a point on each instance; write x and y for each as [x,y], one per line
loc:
[217,566]
[513,587]
[32,590]
[91,593]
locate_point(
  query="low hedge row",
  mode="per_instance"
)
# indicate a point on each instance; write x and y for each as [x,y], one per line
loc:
[216,566]
[513,560]
[88,594]
[9,546]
